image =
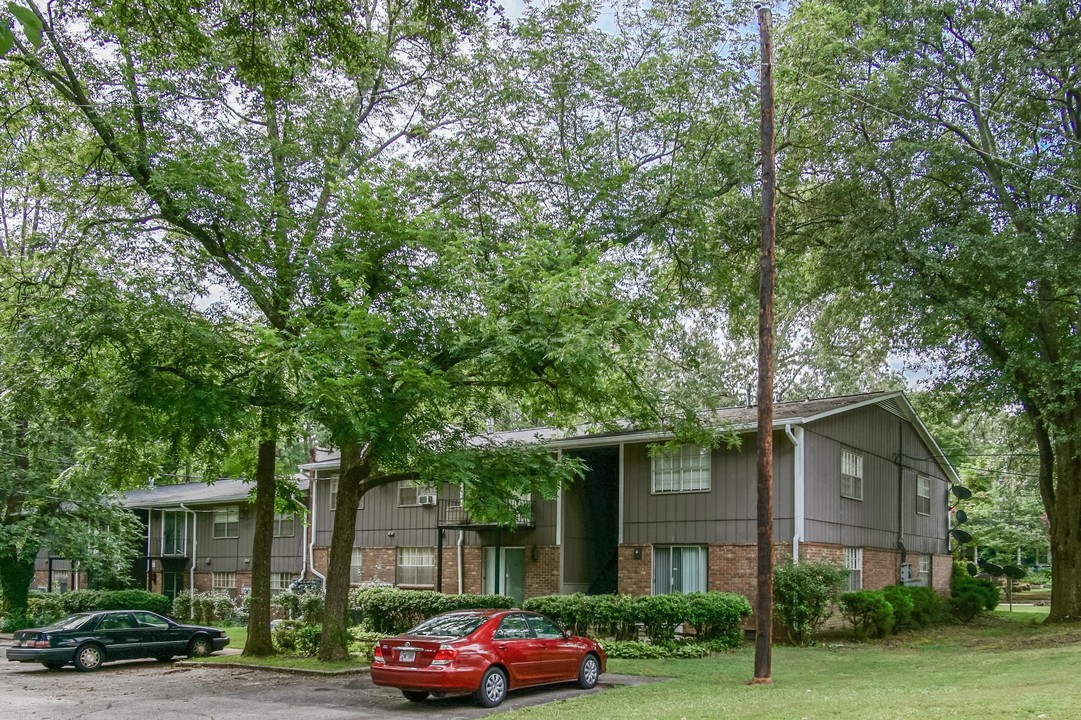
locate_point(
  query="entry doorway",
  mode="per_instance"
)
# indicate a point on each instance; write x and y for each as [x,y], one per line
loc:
[172,584]
[509,579]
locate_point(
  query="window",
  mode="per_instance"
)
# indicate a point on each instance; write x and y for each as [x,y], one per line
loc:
[851,475]
[544,628]
[174,532]
[923,495]
[685,469]
[148,619]
[283,524]
[354,567]
[280,582]
[333,494]
[854,566]
[513,627]
[227,523]
[224,582]
[679,569]
[925,566]
[415,566]
[410,494]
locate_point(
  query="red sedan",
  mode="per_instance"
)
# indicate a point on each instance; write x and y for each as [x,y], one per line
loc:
[487,653]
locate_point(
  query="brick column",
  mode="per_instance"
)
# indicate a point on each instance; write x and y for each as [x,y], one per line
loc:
[635,573]
[542,573]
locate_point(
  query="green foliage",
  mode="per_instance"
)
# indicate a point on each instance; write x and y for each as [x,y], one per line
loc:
[635,650]
[661,614]
[307,606]
[575,612]
[901,600]
[802,595]
[306,639]
[204,607]
[610,616]
[284,635]
[927,606]
[44,608]
[870,613]
[363,641]
[392,611]
[963,585]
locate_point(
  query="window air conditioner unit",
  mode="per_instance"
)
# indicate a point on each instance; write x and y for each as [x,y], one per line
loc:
[426,500]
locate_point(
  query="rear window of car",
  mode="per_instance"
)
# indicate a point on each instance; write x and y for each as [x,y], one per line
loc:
[72,622]
[457,625]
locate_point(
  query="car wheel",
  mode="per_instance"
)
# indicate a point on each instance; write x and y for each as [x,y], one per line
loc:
[588,672]
[200,646]
[53,664]
[415,695]
[493,688]
[89,657]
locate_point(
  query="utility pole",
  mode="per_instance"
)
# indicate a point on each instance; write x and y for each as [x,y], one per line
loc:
[763,647]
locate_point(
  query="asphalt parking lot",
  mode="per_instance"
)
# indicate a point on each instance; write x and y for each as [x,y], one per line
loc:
[149,690]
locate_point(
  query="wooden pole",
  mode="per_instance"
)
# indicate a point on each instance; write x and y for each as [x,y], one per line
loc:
[763,661]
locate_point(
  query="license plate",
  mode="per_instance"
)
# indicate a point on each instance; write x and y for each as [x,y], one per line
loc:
[407,656]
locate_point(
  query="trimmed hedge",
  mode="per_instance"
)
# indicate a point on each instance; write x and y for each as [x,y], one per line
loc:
[870,613]
[970,596]
[391,611]
[44,608]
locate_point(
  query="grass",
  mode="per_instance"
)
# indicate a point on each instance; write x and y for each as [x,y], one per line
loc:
[1004,667]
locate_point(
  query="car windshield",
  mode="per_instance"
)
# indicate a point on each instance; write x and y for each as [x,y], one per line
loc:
[71,622]
[456,625]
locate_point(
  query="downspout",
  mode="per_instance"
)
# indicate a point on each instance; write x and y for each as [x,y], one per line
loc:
[798,487]
[303,550]
[149,565]
[194,557]
[311,545]
[461,553]
[901,494]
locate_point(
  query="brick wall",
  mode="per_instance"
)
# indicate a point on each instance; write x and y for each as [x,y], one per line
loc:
[243,580]
[378,564]
[814,552]
[635,574]
[881,567]
[204,581]
[734,567]
[941,570]
[473,567]
[542,573]
[450,569]
[320,557]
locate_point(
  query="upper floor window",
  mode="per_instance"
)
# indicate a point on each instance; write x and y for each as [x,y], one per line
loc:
[284,524]
[851,475]
[683,469]
[174,532]
[410,494]
[923,495]
[227,523]
[333,494]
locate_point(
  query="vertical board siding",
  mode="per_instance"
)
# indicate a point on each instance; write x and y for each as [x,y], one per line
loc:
[725,514]
[872,522]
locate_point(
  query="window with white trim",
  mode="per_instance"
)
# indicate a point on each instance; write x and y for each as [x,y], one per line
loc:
[851,474]
[224,582]
[280,582]
[226,523]
[410,494]
[923,495]
[416,566]
[333,494]
[679,569]
[683,469]
[925,566]
[354,566]
[284,524]
[854,567]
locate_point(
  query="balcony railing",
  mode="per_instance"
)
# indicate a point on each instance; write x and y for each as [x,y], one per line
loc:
[453,515]
[178,548]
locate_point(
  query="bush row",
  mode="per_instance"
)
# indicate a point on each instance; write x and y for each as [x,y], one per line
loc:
[307,606]
[391,611]
[207,607]
[714,616]
[876,613]
[44,608]
[294,637]
[971,596]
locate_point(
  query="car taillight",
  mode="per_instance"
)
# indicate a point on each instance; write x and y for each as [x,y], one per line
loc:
[377,654]
[445,655]
[41,642]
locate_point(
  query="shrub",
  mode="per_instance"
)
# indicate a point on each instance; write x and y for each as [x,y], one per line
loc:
[612,616]
[970,596]
[633,650]
[926,606]
[802,595]
[286,604]
[574,612]
[45,608]
[204,607]
[285,635]
[869,612]
[364,641]
[307,639]
[133,600]
[900,599]
[391,611]
[717,616]
[660,614]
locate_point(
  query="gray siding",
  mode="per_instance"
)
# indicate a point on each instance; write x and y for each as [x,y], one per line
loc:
[725,514]
[880,437]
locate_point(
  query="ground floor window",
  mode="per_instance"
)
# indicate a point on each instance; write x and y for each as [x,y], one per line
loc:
[679,569]
[416,566]
[925,568]
[224,582]
[354,567]
[854,566]
[280,582]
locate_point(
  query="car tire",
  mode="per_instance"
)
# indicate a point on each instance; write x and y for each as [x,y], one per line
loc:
[89,657]
[200,646]
[588,672]
[415,695]
[493,688]
[53,664]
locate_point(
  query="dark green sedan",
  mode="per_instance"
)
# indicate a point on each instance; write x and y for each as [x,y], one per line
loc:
[87,640]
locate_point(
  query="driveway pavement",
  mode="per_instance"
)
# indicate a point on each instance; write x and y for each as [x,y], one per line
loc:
[148,690]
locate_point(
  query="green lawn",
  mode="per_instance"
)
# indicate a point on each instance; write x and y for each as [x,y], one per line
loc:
[1007,668]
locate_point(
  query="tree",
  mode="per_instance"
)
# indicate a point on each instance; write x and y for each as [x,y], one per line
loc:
[933,159]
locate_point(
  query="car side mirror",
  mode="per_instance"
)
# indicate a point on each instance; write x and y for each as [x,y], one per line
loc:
[567,634]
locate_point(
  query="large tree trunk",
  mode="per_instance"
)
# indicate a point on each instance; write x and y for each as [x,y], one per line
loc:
[259,641]
[16,573]
[352,472]
[1064,513]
